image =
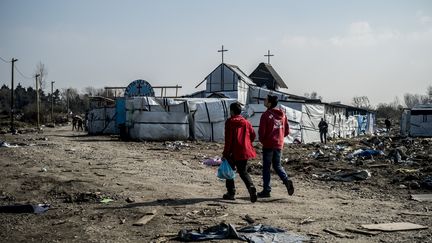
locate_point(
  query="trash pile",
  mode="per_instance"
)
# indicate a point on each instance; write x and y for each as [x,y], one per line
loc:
[405,162]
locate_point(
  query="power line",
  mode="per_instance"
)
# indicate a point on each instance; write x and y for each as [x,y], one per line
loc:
[24,76]
[4,60]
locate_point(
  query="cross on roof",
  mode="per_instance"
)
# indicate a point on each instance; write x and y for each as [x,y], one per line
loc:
[268,56]
[222,51]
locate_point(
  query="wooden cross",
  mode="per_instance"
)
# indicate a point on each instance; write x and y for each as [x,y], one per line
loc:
[268,56]
[222,51]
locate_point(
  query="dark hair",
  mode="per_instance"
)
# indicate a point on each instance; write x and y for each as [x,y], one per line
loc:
[273,100]
[236,108]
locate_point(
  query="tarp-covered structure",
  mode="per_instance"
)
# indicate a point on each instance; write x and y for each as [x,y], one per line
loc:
[202,115]
[226,81]
[417,122]
[101,118]
[156,119]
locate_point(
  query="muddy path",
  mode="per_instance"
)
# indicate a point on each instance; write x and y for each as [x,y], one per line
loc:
[74,172]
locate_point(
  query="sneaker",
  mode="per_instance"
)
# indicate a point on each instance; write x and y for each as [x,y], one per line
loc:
[290,187]
[253,194]
[263,194]
[228,196]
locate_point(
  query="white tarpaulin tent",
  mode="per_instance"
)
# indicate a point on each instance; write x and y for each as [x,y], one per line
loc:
[102,121]
[209,116]
[253,113]
[417,122]
[150,118]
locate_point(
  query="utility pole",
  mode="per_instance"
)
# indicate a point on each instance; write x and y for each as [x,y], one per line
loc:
[37,98]
[52,101]
[12,96]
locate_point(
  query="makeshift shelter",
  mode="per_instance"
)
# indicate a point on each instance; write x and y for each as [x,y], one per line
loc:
[266,76]
[156,119]
[253,113]
[102,121]
[417,122]
[208,118]
[229,81]
[101,118]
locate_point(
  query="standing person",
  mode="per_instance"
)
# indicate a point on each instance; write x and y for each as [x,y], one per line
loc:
[238,148]
[272,130]
[387,124]
[323,128]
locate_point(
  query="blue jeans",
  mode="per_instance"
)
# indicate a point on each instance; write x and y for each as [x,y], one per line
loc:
[272,156]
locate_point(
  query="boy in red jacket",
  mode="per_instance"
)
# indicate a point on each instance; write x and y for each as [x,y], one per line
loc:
[239,136]
[272,130]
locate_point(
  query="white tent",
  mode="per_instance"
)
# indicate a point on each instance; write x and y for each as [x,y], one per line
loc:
[102,121]
[253,113]
[209,116]
[150,118]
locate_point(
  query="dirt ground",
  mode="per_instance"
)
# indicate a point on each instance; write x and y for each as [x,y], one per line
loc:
[73,172]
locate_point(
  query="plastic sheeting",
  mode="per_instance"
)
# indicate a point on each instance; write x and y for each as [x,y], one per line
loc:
[312,114]
[157,119]
[209,118]
[253,113]
[102,121]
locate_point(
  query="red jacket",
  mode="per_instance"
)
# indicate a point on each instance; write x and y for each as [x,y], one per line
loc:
[239,136]
[273,128]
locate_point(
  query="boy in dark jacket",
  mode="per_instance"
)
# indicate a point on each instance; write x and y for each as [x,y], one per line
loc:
[238,148]
[272,130]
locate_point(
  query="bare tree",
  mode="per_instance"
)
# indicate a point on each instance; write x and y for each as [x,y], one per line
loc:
[313,95]
[43,72]
[429,93]
[361,102]
[412,100]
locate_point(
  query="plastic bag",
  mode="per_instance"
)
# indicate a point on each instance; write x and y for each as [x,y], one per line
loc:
[225,171]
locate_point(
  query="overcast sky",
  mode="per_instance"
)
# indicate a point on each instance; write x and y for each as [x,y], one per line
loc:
[340,49]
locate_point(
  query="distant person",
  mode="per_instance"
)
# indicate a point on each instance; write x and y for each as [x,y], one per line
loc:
[74,123]
[80,124]
[387,124]
[323,129]
[238,148]
[273,128]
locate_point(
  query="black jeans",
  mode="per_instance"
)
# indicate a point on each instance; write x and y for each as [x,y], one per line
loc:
[323,134]
[244,175]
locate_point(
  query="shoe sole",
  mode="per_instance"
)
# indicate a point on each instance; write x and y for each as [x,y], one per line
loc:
[290,188]
[253,194]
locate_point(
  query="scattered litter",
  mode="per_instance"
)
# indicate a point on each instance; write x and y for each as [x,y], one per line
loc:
[307,220]
[212,161]
[177,145]
[43,169]
[254,234]
[248,219]
[145,219]
[4,144]
[422,197]
[221,231]
[27,208]
[415,213]
[359,231]
[263,233]
[356,175]
[389,227]
[427,182]
[338,234]
[106,200]
[130,200]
